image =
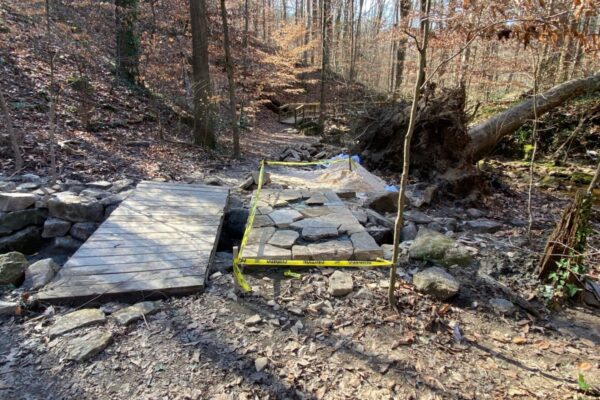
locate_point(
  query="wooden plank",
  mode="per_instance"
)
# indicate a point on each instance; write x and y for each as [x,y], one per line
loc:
[157,205]
[181,188]
[179,185]
[143,242]
[134,267]
[127,251]
[99,236]
[188,284]
[86,261]
[86,280]
[192,225]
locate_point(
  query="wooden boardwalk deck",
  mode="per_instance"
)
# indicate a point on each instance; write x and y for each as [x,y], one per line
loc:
[160,240]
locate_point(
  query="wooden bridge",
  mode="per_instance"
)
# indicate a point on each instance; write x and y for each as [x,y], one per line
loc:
[296,113]
[159,241]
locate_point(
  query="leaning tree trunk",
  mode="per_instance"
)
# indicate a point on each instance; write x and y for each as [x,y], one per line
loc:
[487,134]
[128,42]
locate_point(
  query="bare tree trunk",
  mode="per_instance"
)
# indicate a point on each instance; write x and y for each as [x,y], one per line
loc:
[128,42]
[324,63]
[401,46]
[487,134]
[230,78]
[422,49]
[14,142]
[246,12]
[356,46]
[203,127]
[54,94]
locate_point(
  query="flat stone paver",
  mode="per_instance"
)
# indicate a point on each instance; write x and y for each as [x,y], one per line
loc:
[313,234]
[76,319]
[365,247]
[283,218]
[331,250]
[260,235]
[284,238]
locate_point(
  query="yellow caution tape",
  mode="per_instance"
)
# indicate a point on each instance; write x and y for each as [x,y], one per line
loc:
[314,263]
[240,261]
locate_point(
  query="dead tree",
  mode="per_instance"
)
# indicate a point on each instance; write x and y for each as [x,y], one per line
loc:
[12,135]
[487,134]
[230,78]
[422,48]
[203,125]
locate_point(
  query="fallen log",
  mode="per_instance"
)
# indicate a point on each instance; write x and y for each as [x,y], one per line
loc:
[486,135]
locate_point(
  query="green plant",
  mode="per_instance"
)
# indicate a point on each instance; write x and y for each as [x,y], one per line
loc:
[560,286]
[583,385]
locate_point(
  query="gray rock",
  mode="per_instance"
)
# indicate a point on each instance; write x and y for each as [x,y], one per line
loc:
[67,243]
[261,363]
[266,251]
[40,273]
[74,208]
[437,283]
[7,186]
[475,213]
[331,250]
[408,232]
[27,187]
[312,234]
[502,306]
[87,346]
[28,241]
[448,224]
[433,246]
[301,252]
[8,308]
[95,193]
[284,218]
[54,227]
[253,320]
[31,178]
[75,320]
[102,185]
[351,228]
[340,283]
[360,215]
[417,217]
[19,219]
[260,235]
[16,201]
[365,247]
[316,200]
[316,211]
[375,218]
[12,267]
[284,238]
[83,230]
[318,222]
[484,225]
[382,202]
[120,185]
[132,313]
[420,194]
[262,221]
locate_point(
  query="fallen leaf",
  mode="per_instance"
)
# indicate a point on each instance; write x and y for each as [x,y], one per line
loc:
[584,366]
[519,340]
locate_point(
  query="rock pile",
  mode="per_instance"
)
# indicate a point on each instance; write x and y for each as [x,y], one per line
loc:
[68,212]
[305,152]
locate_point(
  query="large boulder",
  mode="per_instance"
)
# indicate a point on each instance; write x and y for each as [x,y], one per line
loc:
[40,273]
[382,202]
[19,219]
[433,246]
[83,230]
[54,227]
[28,241]
[68,206]
[16,201]
[436,282]
[12,267]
